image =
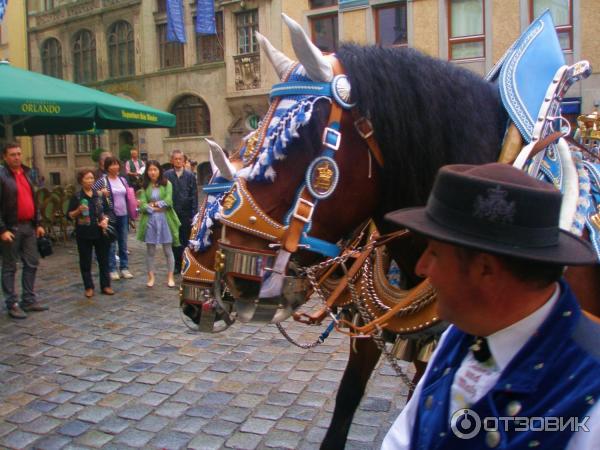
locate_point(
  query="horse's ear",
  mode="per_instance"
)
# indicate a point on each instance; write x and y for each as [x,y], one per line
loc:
[316,65]
[280,62]
[219,161]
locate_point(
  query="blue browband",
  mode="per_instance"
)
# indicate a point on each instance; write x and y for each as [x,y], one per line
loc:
[217,188]
[300,88]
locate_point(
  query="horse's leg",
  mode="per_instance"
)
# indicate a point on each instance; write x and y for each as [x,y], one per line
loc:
[352,387]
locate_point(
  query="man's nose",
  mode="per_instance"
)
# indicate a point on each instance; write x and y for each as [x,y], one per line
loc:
[422,265]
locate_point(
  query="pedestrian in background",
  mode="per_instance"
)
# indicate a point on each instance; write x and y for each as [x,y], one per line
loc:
[100,172]
[19,229]
[114,188]
[134,168]
[159,224]
[89,210]
[185,202]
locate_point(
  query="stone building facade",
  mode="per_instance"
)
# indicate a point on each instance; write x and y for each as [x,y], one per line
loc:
[218,86]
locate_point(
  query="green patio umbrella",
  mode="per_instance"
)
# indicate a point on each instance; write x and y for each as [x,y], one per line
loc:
[32,104]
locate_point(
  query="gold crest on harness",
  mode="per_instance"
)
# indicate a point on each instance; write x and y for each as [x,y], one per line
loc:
[323,174]
[323,179]
[230,198]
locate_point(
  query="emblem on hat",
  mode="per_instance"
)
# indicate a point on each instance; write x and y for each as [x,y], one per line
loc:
[495,207]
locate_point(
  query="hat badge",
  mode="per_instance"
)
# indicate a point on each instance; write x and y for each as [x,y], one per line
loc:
[494,207]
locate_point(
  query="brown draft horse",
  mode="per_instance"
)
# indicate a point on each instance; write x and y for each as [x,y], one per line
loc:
[425,113]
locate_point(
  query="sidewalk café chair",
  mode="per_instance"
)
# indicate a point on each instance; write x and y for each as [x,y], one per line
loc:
[40,195]
[50,207]
[58,192]
[61,216]
[69,190]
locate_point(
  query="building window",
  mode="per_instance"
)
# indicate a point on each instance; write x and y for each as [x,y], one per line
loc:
[55,145]
[121,54]
[562,15]
[247,25]
[210,47]
[55,178]
[192,116]
[85,143]
[52,58]
[84,57]
[324,31]
[171,53]
[161,6]
[48,4]
[391,25]
[466,29]
[321,3]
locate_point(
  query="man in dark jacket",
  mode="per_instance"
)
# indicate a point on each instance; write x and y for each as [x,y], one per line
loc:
[185,201]
[19,228]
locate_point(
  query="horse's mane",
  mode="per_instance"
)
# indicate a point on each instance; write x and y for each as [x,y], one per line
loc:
[426,113]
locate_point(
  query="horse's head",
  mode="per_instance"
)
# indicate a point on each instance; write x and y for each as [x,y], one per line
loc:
[309,177]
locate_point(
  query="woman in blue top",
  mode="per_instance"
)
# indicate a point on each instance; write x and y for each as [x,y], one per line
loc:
[114,188]
[159,224]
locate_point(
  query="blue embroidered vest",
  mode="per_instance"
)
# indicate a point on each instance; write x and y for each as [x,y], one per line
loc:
[556,373]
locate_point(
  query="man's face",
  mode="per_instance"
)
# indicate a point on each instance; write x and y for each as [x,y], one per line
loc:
[454,279]
[12,158]
[177,160]
[134,154]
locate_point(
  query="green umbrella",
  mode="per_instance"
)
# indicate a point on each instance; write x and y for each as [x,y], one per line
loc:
[32,103]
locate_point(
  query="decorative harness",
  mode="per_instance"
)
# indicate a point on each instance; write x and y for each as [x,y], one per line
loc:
[242,212]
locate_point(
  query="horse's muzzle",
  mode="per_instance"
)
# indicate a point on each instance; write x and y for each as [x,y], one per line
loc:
[242,269]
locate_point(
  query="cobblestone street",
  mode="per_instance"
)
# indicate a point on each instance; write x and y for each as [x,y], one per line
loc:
[125,372]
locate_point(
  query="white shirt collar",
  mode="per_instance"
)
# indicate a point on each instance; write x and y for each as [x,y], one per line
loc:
[179,172]
[506,343]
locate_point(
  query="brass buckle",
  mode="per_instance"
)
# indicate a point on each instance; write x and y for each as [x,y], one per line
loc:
[298,216]
[363,127]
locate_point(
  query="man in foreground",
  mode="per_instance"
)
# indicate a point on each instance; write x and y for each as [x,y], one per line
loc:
[19,230]
[520,355]
[185,201]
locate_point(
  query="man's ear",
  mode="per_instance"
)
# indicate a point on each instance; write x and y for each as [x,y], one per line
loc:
[488,265]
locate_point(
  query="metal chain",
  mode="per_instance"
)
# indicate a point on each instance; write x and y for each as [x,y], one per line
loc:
[311,272]
[311,275]
[378,339]
[370,292]
[291,340]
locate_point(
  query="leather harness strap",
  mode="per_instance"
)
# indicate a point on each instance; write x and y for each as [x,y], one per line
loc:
[305,205]
[364,127]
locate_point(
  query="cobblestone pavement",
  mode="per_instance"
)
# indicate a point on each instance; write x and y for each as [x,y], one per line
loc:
[124,372]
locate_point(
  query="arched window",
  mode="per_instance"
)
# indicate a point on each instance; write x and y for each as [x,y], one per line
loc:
[52,58]
[84,57]
[121,53]
[192,115]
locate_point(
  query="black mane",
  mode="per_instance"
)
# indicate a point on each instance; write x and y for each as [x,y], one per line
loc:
[426,113]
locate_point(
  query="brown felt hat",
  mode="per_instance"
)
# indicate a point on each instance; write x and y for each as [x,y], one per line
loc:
[497,209]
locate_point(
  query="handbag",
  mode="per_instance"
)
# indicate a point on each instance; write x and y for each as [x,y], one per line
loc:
[44,246]
[110,233]
[132,210]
